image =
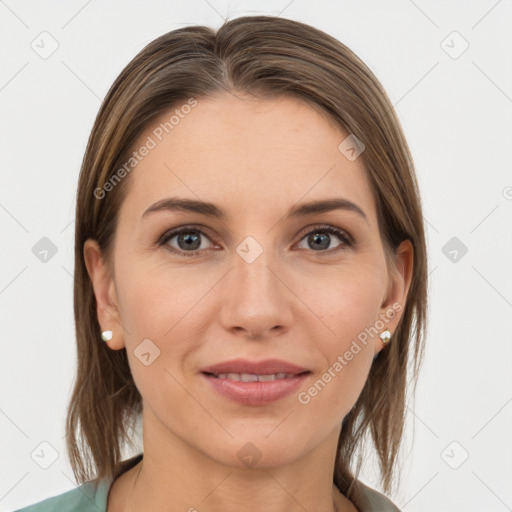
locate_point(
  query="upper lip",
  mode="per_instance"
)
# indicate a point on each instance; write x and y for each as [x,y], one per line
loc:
[266,367]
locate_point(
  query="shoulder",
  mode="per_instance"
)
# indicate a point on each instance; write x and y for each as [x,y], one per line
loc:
[90,496]
[370,500]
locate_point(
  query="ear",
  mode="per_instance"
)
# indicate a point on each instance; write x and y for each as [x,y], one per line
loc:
[107,307]
[398,287]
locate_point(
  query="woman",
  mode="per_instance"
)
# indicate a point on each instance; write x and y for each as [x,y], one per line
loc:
[250,278]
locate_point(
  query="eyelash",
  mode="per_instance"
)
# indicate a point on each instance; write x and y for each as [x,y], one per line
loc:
[340,233]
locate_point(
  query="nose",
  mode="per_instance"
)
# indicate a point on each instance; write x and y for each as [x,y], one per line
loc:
[256,301]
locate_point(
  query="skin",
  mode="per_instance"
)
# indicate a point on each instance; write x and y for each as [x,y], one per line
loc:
[256,158]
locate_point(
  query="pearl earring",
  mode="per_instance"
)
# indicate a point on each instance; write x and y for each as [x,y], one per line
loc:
[385,336]
[106,335]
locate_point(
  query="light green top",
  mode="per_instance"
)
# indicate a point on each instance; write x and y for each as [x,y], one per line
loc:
[86,498]
[92,496]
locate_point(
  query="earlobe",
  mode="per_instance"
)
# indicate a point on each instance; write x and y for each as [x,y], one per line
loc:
[107,308]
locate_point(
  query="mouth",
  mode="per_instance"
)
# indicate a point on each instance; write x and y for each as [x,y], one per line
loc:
[250,369]
[252,389]
[251,377]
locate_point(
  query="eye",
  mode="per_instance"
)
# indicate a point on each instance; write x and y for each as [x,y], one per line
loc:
[189,243]
[188,239]
[320,238]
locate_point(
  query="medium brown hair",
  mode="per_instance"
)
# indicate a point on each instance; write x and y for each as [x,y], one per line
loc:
[266,57]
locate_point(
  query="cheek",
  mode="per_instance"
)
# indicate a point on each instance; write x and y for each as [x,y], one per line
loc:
[332,393]
[347,302]
[163,306]
[155,299]
[348,308]
[157,310]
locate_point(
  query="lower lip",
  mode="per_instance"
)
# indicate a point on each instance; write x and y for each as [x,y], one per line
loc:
[256,393]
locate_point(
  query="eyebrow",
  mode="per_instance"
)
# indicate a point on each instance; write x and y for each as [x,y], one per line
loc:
[215,211]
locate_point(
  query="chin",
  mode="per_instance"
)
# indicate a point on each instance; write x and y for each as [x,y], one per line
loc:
[257,450]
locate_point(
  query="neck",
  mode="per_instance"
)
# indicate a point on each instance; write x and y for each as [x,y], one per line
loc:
[175,476]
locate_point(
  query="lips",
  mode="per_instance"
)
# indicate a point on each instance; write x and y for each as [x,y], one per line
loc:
[245,366]
[255,383]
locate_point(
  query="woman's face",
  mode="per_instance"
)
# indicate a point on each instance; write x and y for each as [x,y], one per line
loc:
[260,283]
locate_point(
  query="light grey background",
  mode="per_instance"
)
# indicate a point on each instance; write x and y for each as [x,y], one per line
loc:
[456,111]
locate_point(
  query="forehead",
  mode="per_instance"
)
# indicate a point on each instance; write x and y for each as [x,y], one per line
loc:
[246,153]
